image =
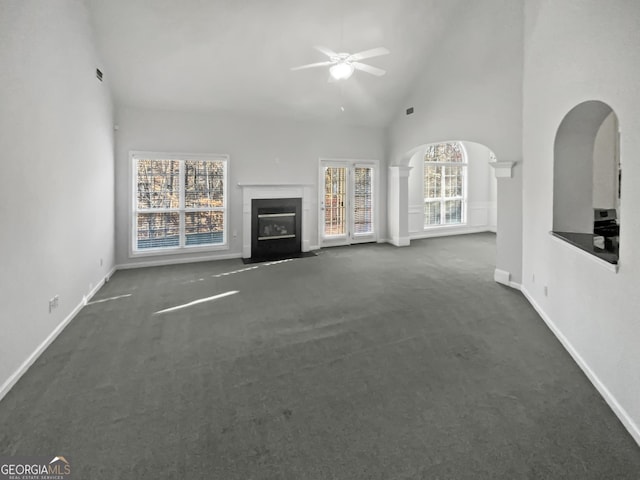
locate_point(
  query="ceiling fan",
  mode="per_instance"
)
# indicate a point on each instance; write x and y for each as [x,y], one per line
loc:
[344,64]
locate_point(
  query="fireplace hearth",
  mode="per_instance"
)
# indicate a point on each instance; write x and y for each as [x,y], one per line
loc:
[276,227]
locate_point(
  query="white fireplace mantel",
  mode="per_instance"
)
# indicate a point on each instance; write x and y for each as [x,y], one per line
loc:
[280,190]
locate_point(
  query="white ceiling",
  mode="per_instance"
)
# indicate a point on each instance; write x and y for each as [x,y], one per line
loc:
[236,55]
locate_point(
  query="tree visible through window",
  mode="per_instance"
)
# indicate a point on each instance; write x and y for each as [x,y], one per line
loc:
[445,167]
[179,203]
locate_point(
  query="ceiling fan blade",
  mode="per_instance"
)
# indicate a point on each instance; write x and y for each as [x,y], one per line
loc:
[374,52]
[327,51]
[312,65]
[378,72]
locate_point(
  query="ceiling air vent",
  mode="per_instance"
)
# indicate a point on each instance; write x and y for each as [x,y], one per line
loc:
[98,74]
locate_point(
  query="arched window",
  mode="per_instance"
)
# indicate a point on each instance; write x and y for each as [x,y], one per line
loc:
[445,174]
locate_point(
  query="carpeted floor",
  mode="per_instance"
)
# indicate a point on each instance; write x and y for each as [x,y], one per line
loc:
[365,362]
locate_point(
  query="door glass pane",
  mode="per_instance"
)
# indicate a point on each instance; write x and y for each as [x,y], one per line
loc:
[335,201]
[363,200]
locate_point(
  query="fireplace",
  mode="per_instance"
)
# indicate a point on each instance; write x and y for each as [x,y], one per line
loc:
[276,227]
[277,191]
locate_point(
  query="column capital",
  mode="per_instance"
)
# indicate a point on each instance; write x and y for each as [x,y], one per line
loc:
[503,169]
[399,170]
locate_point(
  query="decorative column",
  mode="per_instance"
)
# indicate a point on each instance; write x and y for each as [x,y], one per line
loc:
[398,205]
[509,225]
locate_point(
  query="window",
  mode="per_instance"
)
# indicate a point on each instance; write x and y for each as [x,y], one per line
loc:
[445,172]
[179,202]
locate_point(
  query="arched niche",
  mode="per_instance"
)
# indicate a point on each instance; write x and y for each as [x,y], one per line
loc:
[586,179]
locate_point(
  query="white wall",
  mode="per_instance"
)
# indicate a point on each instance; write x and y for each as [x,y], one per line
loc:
[481,194]
[261,151]
[605,164]
[56,205]
[578,50]
[573,155]
[471,89]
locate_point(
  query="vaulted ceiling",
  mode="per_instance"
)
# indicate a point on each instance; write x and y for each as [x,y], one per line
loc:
[236,55]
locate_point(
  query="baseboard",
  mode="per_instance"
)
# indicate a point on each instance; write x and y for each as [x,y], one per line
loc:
[446,231]
[400,241]
[175,261]
[22,369]
[504,277]
[621,413]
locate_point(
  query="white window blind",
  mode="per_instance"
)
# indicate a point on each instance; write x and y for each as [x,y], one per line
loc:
[335,198]
[363,200]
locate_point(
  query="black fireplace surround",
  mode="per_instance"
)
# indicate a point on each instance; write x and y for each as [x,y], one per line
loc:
[276,228]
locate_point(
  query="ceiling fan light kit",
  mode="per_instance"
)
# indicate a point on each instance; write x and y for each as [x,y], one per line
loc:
[341,71]
[342,65]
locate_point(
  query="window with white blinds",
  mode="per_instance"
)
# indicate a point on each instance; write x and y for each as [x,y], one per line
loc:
[335,201]
[445,174]
[178,202]
[363,200]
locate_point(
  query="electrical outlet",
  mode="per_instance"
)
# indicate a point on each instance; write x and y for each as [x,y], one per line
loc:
[53,303]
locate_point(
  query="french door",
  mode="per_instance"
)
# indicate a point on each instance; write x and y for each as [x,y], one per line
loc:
[347,202]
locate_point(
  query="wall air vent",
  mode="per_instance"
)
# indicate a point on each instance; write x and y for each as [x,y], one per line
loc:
[98,74]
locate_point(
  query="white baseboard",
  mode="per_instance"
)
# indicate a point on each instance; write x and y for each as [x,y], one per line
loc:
[175,261]
[504,277]
[446,231]
[620,412]
[400,241]
[22,369]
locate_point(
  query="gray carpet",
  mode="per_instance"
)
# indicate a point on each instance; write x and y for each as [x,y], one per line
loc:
[365,362]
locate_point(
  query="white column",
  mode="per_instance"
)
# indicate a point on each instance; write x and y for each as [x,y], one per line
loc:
[398,205]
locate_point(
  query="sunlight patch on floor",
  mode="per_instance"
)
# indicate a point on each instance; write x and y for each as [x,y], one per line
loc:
[109,299]
[234,272]
[196,302]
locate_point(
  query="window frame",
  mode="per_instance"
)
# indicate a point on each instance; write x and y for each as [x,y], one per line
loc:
[182,247]
[442,199]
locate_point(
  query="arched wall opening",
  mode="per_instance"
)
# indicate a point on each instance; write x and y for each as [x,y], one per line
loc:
[479,193]
[586,168]
[504,220]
